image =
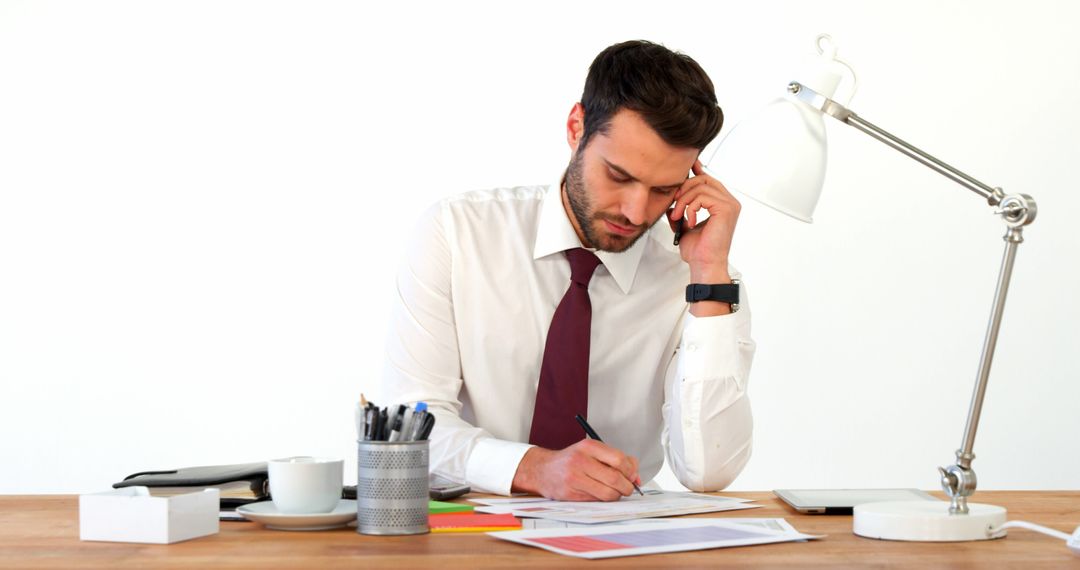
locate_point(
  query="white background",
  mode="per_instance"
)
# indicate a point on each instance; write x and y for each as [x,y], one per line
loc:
[202,205]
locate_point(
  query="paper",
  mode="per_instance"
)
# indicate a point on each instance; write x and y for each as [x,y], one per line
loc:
[653,504]
[609,541]
[766,523]
[509,500]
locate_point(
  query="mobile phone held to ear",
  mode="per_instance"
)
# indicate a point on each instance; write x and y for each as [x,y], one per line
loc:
[678,230]
[678,226]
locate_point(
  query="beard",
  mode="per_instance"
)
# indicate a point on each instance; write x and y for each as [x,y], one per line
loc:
[590,221]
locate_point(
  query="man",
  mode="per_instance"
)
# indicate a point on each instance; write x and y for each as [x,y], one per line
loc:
[520,308]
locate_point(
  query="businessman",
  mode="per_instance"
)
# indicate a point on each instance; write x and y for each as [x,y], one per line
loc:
[519,308]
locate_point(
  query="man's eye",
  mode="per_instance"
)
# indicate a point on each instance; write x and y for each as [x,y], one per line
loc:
[619,179]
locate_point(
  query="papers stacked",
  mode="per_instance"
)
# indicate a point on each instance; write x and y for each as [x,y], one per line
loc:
[630,527]
[653,504]
[653,537]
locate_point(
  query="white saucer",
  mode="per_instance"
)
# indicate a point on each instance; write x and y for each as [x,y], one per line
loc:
[267,514]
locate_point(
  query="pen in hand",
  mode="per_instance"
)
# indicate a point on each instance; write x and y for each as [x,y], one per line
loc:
[592,433]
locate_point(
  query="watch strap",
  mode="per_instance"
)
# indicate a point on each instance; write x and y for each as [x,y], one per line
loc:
[723,292]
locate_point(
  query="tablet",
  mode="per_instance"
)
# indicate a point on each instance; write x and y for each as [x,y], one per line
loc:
[843,501]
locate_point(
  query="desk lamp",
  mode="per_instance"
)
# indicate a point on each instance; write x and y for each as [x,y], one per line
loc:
[778,158]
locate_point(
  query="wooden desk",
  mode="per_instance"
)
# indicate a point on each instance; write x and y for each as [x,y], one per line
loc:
[43,532]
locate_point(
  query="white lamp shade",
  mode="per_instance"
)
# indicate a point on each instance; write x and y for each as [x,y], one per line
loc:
[776,157]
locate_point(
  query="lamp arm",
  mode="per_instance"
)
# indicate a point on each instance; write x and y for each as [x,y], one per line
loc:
[807,95]
[1017,211]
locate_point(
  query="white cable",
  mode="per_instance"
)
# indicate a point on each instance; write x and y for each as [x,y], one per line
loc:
[824,40]
[1031,526]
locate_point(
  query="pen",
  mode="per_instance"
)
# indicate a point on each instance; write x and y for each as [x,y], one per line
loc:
[396,424]
[369,423]
[383,423]
[420,416]
[592,433]
[407,423]
[429,423]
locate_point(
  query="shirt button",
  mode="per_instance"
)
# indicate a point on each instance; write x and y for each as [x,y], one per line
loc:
[691,347]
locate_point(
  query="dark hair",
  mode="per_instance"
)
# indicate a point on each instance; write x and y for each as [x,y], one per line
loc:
[669,89]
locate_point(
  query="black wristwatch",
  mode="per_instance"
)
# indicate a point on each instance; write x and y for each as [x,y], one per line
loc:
[725,293]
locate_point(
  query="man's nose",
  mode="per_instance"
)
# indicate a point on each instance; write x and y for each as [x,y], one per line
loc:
[635,204]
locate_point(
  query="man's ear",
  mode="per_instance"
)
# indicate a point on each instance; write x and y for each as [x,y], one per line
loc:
[575,126]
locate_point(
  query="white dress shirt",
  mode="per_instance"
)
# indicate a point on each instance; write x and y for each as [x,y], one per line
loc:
[476,294]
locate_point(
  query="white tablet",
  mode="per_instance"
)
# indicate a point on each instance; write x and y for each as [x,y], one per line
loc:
[843,501]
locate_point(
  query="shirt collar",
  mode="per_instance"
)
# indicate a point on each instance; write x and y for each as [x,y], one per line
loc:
[555,234]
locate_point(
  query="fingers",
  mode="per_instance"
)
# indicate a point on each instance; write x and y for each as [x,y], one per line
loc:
[611,457]
[594,471]
[585,471]
[612,467]
[703,192]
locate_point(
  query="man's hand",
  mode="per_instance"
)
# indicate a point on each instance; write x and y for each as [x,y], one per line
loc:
[586,471]
[705,246]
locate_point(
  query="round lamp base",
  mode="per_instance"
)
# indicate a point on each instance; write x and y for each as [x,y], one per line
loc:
[926,521]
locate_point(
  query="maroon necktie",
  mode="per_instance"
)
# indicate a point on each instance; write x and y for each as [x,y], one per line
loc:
[564,374]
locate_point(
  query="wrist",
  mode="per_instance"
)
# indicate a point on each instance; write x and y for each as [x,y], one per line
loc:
[526,478]
[714,295]
[711,274]
[710,309]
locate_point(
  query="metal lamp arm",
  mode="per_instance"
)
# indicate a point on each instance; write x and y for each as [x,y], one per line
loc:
[1017,211]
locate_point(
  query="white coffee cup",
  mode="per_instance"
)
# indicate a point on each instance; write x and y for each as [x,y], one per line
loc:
[306,485]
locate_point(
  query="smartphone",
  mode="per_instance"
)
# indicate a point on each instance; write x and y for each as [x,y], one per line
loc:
[442,489]
[682,221]
[438,489]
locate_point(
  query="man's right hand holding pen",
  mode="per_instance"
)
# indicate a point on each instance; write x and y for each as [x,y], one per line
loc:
[589,470]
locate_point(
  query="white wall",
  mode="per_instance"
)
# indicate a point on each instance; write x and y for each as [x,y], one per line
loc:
[202,204]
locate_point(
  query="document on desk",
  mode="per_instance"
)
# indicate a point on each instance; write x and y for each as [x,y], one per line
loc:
[609,541]
[652,505]
[766,523]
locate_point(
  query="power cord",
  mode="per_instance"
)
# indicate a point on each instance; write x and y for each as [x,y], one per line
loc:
[1072,541]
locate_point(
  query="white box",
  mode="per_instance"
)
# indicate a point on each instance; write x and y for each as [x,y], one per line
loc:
[130,514]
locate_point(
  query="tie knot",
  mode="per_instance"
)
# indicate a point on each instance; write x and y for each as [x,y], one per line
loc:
[582,265]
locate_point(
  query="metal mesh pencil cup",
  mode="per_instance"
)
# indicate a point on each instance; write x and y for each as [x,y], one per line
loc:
[392,487]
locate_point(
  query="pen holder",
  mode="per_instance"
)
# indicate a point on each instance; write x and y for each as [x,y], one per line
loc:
[392,487]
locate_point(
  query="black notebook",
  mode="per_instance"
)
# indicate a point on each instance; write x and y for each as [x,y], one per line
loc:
[239,484]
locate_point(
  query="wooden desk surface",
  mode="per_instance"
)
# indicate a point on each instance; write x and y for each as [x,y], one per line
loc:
[43,532]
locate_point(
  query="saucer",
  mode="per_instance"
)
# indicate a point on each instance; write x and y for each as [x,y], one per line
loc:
[267,514]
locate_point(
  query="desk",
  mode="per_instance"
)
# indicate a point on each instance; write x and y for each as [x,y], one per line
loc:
[42,531]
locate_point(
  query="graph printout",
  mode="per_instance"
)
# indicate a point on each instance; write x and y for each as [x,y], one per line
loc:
[637,539]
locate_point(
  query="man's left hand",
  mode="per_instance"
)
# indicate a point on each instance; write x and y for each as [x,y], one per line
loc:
[705,246]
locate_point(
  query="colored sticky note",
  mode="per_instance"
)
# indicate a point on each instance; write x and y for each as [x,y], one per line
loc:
[440,507]
[472,522]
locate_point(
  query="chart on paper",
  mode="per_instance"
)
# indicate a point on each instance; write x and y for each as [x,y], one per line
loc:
[636,539]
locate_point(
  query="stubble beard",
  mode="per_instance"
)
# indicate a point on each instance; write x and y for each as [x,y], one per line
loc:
[587,220]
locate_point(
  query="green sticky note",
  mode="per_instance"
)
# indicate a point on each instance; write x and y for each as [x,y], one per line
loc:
[440,507]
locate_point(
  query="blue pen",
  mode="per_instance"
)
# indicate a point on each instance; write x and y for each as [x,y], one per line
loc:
[418,418]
